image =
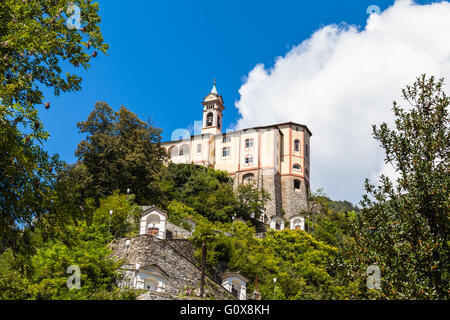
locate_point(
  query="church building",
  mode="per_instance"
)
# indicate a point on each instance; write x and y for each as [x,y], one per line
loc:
[274,157]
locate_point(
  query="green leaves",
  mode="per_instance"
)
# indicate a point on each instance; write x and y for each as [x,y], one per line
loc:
[27,177]
[88,250]
[403,227]
[34,42]
[120,152]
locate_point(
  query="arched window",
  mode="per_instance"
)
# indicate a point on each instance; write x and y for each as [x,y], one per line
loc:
[153,223]
[297,185]
[297,167]
[209,119]
[248,178]
[184,150]
[297,145]
[248,143]
[226,152]
[297,224]
[218,121]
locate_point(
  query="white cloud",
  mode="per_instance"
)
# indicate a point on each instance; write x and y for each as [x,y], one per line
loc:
[342,80]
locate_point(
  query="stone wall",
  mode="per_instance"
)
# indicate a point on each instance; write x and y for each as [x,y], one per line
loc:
[270,181]
[294,201]
[175,257]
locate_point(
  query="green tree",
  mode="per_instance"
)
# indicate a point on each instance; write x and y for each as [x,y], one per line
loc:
[88,250]
[35,42]
[118,216]
[84,243]
[27,177]
[207,191]
[403,227]
[210,193]
[251,201]
[119,152]
[331,223]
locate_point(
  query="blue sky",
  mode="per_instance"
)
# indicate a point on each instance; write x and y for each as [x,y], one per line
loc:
[164,56]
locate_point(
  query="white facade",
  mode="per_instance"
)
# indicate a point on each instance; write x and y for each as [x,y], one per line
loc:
[297,222]
[151,278]
[277,223]
[154,222]
[235,283]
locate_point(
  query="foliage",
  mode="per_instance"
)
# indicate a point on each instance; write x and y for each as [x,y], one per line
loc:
[86,249]
[336,205]
[330,224]
[250,201]
[34,44]
[82,244]
[27,177]
[120,152]
[403,227]
[298,261]
[209,192]
[125,217]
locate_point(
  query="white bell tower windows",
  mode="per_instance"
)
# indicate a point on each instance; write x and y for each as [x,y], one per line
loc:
[212,112]
[209,120]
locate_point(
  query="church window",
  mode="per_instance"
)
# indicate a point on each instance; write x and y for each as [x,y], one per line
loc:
[307,151]
[199,148]
[226,152]
[297,145]
[297,185]
[218,121]
[249,160]
[297,167]
[248,143]
[209,119]
[184,150]
[226,139]
[297,224]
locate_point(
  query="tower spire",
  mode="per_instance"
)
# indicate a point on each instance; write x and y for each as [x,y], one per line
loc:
[214,89]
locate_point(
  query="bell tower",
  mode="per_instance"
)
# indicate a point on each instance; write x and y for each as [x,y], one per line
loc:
[212,112]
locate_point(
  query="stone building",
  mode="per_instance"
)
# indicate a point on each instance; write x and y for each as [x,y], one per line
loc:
[161,261]
[274,157]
